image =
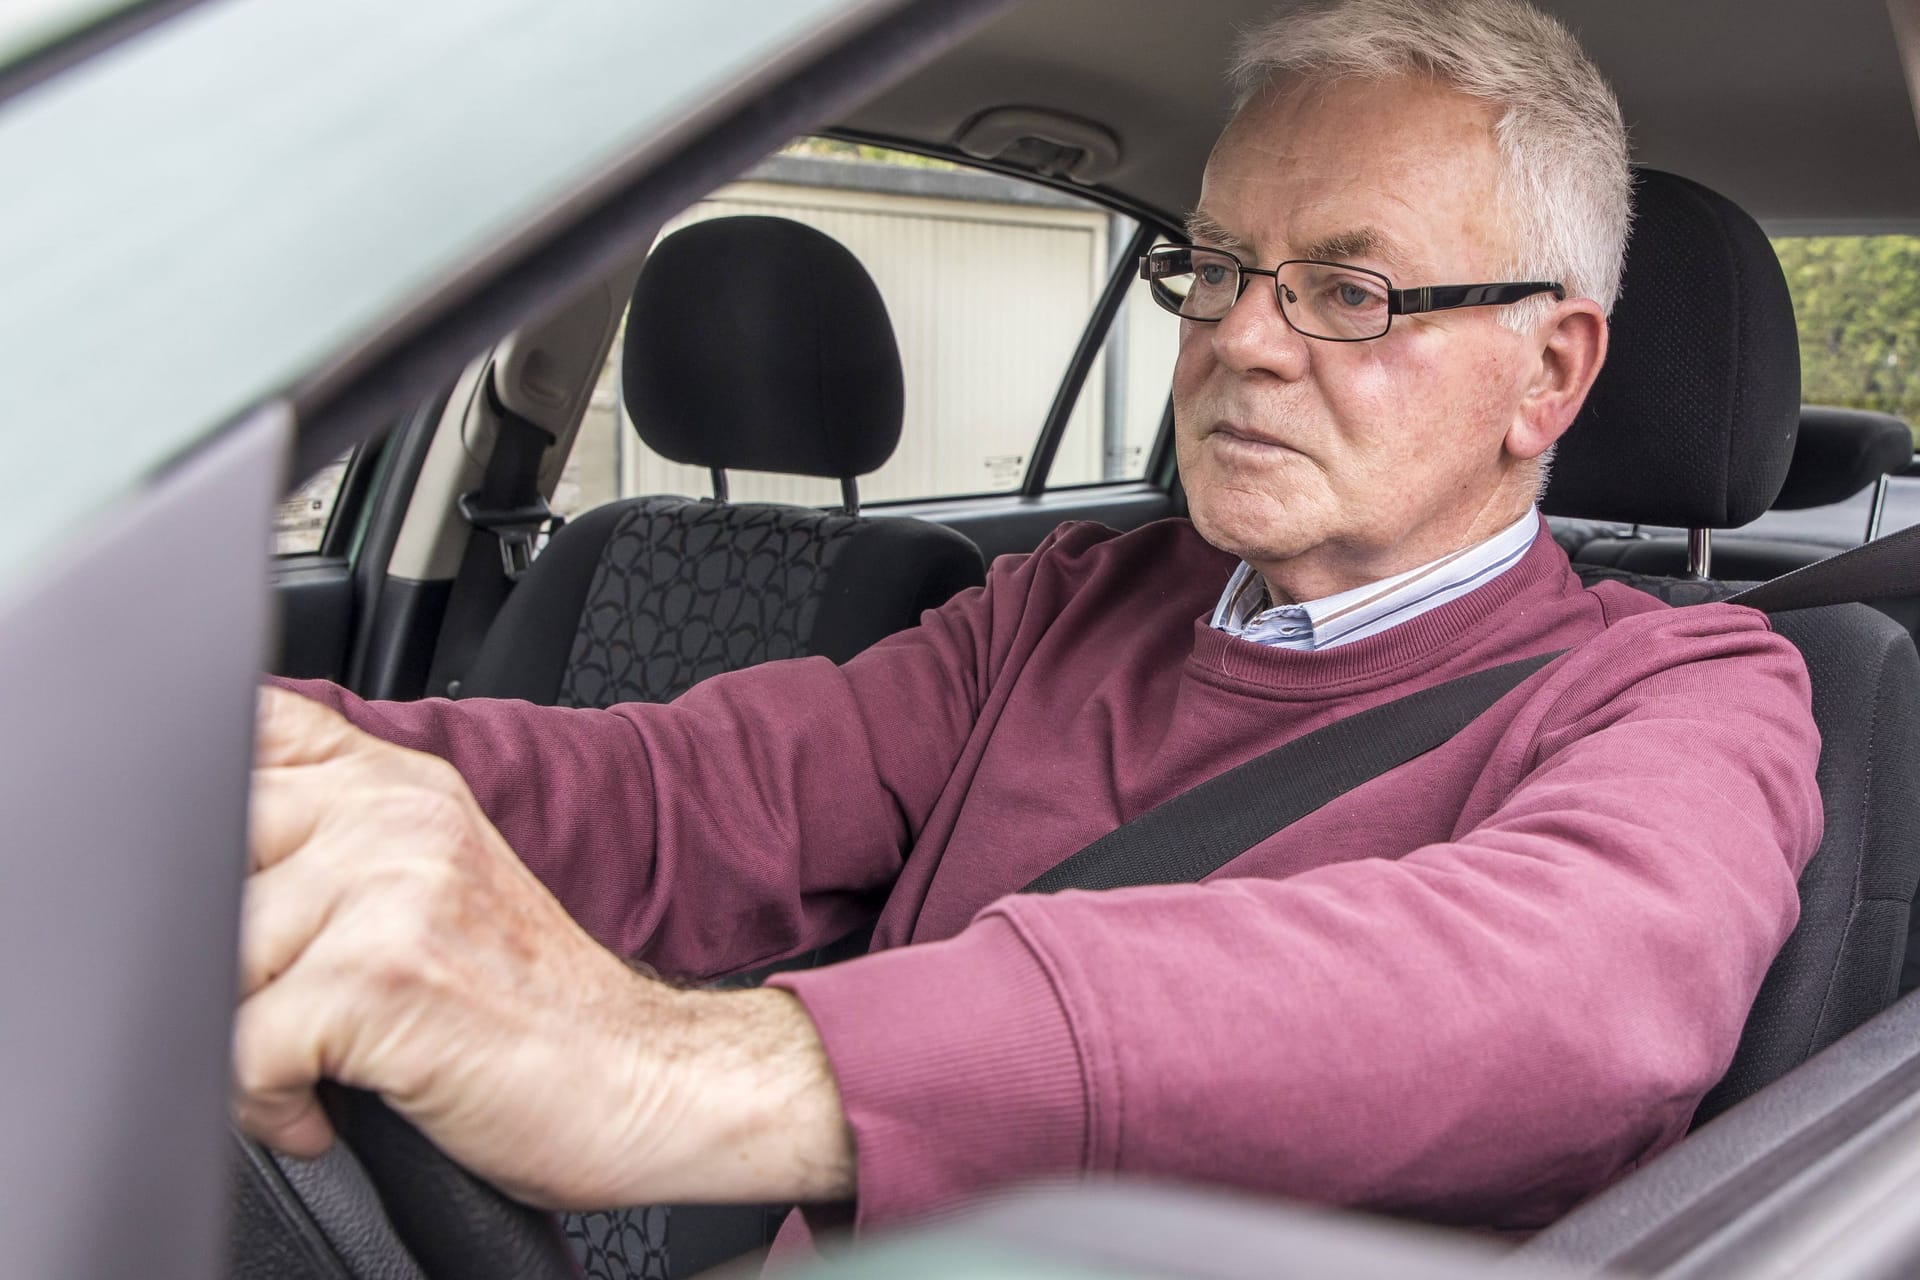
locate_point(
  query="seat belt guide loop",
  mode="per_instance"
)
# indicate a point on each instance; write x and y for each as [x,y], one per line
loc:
[517,530]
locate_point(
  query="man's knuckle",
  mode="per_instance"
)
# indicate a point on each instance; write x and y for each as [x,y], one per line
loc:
[435,774]
[256,1069]
[439,815]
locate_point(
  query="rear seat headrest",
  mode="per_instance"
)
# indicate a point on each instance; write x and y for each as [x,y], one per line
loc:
[1840,452]
[1692,420]
[761,344]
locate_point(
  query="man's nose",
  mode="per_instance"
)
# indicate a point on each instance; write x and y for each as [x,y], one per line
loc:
[1254,335]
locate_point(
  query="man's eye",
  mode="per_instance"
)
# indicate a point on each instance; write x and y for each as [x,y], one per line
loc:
[1353,295]
[1212,274]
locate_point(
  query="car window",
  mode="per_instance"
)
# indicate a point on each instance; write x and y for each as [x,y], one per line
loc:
[1113,428]
[300,521]
[1856,302]
[989,280]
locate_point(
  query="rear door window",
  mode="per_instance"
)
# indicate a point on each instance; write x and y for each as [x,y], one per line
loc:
[990,282]
[301,520]
[1856,302]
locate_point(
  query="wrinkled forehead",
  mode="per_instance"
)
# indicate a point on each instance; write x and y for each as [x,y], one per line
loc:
[1405,173]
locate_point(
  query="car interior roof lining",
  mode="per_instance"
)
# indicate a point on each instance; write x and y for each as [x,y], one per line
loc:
[1828,142]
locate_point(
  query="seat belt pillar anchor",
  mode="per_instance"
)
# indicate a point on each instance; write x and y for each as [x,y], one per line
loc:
[516,530]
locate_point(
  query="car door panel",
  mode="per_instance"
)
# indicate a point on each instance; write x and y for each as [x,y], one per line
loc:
[1014,523]
[123,775]
[313,603]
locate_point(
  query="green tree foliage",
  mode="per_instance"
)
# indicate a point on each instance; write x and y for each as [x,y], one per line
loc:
[836,149]
[1857,302]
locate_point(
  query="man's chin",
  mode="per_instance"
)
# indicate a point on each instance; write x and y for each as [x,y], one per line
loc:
[1258,537]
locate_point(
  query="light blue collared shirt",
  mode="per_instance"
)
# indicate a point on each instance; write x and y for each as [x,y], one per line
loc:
[1369,609]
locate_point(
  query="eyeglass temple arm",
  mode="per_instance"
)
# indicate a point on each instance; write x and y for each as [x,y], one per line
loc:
[1445,297]
[1154,264]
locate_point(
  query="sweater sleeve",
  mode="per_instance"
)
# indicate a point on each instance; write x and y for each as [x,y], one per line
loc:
[1480,1031]
[762,813]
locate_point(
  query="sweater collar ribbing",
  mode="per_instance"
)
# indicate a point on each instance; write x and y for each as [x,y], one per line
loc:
[1428,640]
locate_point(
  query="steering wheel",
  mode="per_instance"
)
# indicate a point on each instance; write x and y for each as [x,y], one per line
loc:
[455,1225]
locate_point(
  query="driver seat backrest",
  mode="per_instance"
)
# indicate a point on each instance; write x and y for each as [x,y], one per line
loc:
[1692,424]
[753,343]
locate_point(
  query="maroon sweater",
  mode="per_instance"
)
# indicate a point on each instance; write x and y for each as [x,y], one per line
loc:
[1473,990]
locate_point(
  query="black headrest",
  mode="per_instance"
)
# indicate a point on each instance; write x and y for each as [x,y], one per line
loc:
[1840,452]
[761,344]
[1692,420]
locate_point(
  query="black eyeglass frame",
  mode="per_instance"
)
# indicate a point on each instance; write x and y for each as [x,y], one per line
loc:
[1400,302]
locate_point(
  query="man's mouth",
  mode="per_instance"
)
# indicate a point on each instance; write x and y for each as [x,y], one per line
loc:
[1242,435]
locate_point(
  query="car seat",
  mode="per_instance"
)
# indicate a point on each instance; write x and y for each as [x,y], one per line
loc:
[752,343]
[1691,424]
[1838,453]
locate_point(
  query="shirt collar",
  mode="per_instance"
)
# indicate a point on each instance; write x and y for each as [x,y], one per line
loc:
[1372,607]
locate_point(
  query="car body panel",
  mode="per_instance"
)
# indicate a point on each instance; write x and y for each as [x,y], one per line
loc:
[289,232]
[123,776]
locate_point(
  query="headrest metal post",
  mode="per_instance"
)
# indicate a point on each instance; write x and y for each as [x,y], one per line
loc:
[849,495]
[719,484]
[1877,510]
[1700,553]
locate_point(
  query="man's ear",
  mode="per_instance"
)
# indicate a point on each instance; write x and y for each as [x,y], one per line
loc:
[1572,346]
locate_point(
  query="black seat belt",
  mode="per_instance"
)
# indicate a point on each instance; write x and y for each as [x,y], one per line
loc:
[507,515]
[1888,566]
[1188,838]
[1205,827]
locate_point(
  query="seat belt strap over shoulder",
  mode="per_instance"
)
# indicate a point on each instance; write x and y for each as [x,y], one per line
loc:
[508,505]
[1188,838]
[1193,835]
[1888,566]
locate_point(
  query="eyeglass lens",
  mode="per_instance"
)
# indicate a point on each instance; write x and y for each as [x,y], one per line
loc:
[1322,300]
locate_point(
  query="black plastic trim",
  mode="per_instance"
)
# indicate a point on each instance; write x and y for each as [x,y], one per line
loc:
[587,238]
[1163,465]
[1167,223]
[313,606]
[404,624]
[1092,340]
[372,669]
[349,504]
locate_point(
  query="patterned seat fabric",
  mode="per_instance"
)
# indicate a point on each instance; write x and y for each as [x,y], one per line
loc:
[639,600]
[620,1244]
[686,590]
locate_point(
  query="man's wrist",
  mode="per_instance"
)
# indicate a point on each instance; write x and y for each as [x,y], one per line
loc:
[756,1113]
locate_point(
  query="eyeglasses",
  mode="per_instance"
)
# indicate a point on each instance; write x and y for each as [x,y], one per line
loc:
[1326,300]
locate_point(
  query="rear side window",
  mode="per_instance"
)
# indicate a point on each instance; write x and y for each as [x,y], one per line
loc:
[300,521]
[1856,300]
[1114,427]
[989,281]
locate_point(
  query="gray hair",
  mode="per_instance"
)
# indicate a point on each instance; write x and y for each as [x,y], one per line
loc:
[1567,191]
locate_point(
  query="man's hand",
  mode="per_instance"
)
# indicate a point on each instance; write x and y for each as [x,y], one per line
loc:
[391,940]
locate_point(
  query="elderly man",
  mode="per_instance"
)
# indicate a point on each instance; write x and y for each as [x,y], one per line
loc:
[1474,989]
